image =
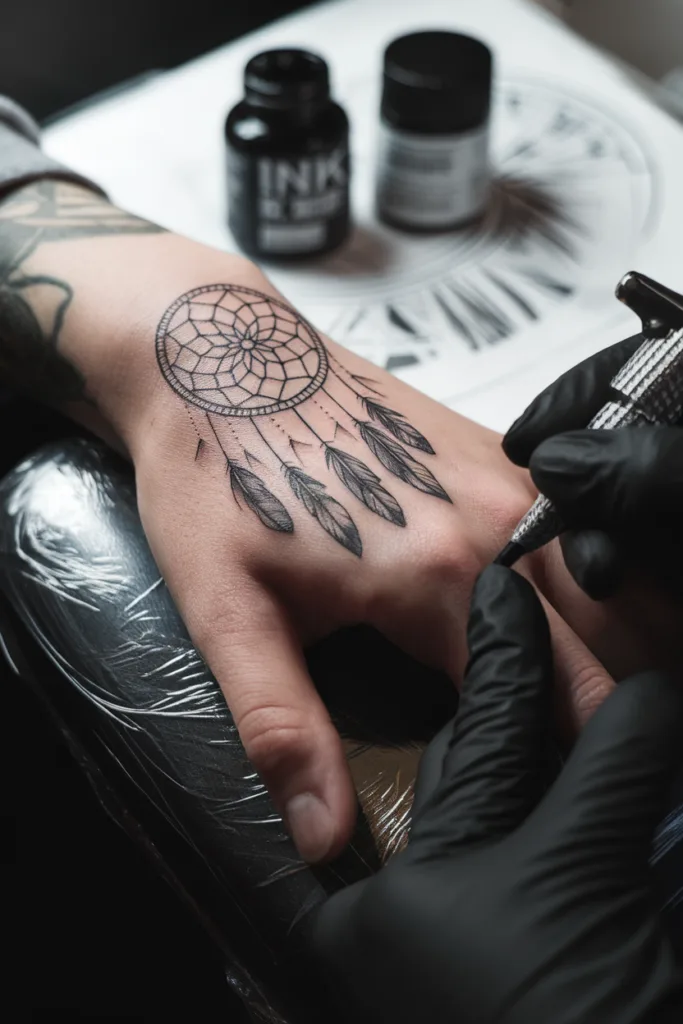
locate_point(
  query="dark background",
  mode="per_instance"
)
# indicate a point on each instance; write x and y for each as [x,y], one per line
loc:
[54,53]
[94,934]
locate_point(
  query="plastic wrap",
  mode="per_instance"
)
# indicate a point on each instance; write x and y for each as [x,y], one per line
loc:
[86,620]
[89,623]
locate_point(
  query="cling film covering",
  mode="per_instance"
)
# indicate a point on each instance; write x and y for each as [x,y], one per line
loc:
[99,636]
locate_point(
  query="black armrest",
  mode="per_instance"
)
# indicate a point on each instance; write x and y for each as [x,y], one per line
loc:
[90,625]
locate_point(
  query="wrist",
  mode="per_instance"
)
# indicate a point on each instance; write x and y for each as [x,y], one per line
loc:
[122,369]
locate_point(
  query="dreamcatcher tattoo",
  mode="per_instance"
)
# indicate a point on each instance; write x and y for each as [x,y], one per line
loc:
[261,375]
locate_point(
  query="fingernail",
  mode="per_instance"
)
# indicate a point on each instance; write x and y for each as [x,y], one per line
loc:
[310,826]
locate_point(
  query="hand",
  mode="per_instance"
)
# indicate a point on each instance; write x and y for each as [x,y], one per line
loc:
[512,905]
[620,492]
[365,502]
[352,499]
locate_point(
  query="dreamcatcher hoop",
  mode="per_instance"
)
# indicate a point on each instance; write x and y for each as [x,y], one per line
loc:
[234,351]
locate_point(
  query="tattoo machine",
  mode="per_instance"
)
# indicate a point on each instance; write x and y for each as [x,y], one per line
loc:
[647,390]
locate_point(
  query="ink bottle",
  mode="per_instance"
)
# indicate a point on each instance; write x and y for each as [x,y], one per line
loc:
[433,171]
[287,159]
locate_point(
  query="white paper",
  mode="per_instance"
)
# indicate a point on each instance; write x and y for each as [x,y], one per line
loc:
[479,320]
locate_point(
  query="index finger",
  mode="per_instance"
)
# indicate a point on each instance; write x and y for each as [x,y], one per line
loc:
[569,403]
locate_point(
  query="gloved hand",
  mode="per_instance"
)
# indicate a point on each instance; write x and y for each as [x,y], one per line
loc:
[510,904]
[620,492]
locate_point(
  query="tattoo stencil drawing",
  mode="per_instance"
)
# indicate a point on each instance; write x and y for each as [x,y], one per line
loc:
[251,363]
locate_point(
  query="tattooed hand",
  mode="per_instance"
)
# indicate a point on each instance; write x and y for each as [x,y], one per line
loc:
[287,488]
[258,374]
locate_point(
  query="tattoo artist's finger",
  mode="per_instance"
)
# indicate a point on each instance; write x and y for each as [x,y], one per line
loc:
[613,480]
[493,769]
[569,403]
[603,809]
[431,768]
[581,681]
[283,724]
[594,560]
[332,931]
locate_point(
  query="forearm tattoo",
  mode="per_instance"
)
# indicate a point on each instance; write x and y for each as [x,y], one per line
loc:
[48,211]
[284,415]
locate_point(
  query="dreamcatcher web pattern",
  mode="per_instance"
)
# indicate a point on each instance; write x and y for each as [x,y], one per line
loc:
[235,352]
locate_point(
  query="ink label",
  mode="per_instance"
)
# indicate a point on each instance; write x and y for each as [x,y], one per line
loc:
[432,181]
[295,205]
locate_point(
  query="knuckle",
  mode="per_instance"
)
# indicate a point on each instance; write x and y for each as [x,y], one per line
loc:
[451,556]
[274,736]
[494,508]
[513,502]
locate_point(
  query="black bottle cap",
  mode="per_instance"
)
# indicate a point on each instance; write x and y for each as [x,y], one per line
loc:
[286,79]
[436,82]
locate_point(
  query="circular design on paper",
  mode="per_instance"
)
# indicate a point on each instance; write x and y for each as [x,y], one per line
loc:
[237,352]
[576,191]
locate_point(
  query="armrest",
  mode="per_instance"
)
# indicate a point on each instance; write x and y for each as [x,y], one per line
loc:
[88,623]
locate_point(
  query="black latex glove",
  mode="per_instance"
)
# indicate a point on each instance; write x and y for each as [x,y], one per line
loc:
[509,906]
[620,492]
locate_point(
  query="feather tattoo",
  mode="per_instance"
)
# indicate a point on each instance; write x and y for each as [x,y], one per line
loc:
[397,424]
[397,460]
[331,515]
[364,485]
[251,489]
[269,389]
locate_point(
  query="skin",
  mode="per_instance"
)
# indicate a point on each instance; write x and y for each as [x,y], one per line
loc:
[97,283]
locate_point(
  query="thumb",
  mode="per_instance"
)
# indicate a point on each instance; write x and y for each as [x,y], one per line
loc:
[484,772]
[603,809]
[430,770]
[282,722]
[332,926]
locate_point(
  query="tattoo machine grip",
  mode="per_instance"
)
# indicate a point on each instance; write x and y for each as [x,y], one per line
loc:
[647,390]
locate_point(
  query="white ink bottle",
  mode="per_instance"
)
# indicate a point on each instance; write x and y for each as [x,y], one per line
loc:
[287,159]
[433,171]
